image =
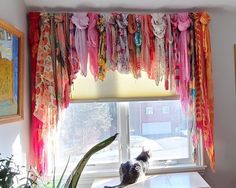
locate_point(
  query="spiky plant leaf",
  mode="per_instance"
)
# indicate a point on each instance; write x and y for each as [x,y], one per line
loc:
[75,175]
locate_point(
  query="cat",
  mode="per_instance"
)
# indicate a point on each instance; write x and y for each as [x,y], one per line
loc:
[130,172]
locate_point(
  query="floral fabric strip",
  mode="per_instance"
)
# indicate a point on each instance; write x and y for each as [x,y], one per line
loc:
[102,59]
[61,63]
[138,44]
[122,44]
[159,29]
[46,102]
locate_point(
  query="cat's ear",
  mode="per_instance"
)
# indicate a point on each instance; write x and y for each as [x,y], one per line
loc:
[143,149]
[149,152]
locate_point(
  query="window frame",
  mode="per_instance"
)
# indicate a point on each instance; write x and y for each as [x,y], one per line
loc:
[123,139]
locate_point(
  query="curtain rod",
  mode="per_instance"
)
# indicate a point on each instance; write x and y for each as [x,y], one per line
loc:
[109,10]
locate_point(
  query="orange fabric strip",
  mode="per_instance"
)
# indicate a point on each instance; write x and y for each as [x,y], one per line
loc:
[204,84]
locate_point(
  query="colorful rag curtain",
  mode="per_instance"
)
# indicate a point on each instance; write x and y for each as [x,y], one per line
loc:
[204,83]
[174,48]
[38,156]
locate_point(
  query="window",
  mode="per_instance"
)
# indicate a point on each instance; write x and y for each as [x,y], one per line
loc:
[85,124]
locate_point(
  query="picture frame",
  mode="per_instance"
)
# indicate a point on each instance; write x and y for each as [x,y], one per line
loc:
[11,73]
[235,66]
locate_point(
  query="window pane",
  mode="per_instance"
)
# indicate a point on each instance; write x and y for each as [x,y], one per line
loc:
[159,126]
[83,126]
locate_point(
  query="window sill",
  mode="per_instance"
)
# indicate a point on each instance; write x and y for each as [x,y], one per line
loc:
[176,169]
[153,170]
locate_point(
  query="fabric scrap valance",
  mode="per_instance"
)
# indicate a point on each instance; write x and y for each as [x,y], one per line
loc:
[171,47]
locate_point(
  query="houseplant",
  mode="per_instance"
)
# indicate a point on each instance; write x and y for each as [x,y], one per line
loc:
[9,170]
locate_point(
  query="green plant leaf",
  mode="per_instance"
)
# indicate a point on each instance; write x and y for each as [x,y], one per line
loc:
[75,175]
[59,183]
[54,177]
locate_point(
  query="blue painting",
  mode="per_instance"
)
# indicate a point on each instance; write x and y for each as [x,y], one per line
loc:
[9,72]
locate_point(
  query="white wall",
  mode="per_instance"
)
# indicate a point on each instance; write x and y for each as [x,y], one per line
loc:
[223,35]
[12,134]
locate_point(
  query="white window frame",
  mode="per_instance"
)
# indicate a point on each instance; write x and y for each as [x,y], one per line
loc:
[163,166]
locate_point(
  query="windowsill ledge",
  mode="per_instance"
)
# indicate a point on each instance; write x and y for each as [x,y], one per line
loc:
[176,169]
[107,173]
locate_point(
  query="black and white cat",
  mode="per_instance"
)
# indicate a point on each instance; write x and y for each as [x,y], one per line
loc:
[130,172]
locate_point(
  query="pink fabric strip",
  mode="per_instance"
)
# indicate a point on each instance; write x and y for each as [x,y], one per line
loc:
[168,49]
[145,49]
[73,58]
[183,25]
[175,59]
[93,39]
[81,21]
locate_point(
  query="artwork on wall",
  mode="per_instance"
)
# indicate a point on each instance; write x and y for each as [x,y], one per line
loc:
[11,73]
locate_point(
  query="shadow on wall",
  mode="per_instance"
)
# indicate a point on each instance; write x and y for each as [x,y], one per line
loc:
[11,139]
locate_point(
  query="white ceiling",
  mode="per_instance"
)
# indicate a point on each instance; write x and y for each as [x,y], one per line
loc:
[129,4]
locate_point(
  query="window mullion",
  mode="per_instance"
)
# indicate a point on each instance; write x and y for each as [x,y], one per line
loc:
[124,131]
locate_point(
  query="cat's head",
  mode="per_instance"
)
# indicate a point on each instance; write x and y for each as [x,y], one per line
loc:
[145,155]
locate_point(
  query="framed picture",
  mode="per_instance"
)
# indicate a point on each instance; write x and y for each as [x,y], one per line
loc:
[11,73]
